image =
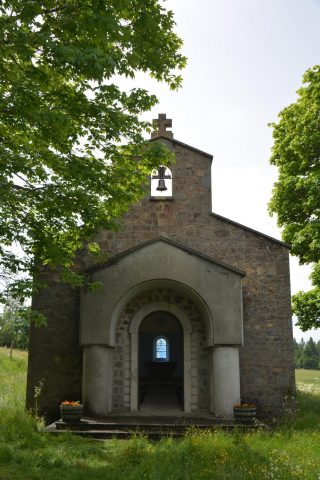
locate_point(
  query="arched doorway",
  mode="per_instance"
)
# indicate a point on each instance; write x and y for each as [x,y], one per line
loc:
[134,330]
[160,363]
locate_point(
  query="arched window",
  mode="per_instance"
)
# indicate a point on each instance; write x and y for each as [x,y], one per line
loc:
[161,349]
[161,183]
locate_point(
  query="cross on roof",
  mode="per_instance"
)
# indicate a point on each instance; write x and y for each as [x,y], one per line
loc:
[160,126]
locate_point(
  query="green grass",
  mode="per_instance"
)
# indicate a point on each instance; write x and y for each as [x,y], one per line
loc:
[13,379]
[308,380]
[291,451]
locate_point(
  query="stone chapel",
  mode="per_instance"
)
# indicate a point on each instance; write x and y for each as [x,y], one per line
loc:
[192,316]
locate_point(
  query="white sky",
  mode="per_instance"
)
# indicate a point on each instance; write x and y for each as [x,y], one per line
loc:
[245,62]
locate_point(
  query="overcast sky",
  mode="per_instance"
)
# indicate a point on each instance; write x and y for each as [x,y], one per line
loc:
[245,62]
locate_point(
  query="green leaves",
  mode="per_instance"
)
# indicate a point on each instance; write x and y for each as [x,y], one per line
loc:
[306,306]
[14,324]
[63,173]
[295,198]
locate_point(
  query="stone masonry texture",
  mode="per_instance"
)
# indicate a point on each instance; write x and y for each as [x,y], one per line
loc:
[266,359]
[199,352]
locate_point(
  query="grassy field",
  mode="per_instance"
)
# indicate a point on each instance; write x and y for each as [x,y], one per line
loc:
[291,451]
[12,379]
[308,380]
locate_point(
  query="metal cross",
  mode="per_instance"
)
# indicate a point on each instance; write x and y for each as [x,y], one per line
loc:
[160,126]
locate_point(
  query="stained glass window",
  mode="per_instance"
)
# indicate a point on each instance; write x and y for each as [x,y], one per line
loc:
[161,349]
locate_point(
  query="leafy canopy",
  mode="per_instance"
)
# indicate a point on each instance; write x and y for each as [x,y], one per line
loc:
[63,120]
[14,325]
[296,194]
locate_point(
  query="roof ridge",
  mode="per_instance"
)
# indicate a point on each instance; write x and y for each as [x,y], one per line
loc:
[185,145]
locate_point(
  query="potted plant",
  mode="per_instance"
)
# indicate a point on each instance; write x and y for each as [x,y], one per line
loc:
[245,412]
[71,412]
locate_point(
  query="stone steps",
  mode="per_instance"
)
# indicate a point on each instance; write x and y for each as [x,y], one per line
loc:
[152,427]
[119,434]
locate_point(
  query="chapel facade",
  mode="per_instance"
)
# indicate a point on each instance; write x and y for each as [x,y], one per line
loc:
[193,313]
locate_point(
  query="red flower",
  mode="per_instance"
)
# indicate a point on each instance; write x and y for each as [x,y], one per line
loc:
[71,403]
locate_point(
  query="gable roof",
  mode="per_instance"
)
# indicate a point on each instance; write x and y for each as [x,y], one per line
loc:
[256,232]
[190,251]
[220,217]
[184,145]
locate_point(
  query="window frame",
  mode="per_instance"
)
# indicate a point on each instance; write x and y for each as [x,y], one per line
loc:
[166,195]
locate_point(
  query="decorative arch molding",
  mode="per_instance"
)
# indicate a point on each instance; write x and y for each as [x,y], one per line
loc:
[163,283]
[157,307]
[134,335]
[215,288]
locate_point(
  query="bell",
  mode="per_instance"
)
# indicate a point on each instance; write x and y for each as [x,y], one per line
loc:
[161,185]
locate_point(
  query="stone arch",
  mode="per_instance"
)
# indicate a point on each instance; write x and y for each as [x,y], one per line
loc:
[134,334]
[157,306]
[163,283]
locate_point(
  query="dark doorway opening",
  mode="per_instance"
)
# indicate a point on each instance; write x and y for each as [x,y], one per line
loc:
[160,362]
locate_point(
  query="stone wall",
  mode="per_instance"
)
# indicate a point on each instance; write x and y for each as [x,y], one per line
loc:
[55,357]
[199,352]
[267,370]
[266,360]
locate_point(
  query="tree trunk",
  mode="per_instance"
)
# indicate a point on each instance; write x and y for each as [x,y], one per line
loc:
[11,348]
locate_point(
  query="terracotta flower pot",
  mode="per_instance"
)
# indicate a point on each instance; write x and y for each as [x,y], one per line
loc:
[71,413]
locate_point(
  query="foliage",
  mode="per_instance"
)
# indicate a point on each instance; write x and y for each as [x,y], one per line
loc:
[307,355]
[72,152]
[14,325]
[306,306]
[298,348]
[310,357]
[288,452]
[296,199]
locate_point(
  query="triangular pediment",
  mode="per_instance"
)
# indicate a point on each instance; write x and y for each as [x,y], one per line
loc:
[117,258]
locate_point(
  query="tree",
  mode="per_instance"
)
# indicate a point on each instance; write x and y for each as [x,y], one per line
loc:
[295,198]
[14,325]
[72,152]
[298,350]
[306,355]
[310,355]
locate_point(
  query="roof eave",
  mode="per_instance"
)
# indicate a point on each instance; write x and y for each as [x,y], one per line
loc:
[256,232]
[185,145]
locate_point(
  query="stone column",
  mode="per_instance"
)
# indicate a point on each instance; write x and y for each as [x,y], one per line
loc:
[134,402]
[187,371]
[97,383]
[225,380]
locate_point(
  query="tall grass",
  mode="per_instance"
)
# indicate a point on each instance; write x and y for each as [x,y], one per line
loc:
[292,451]
[13,378]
